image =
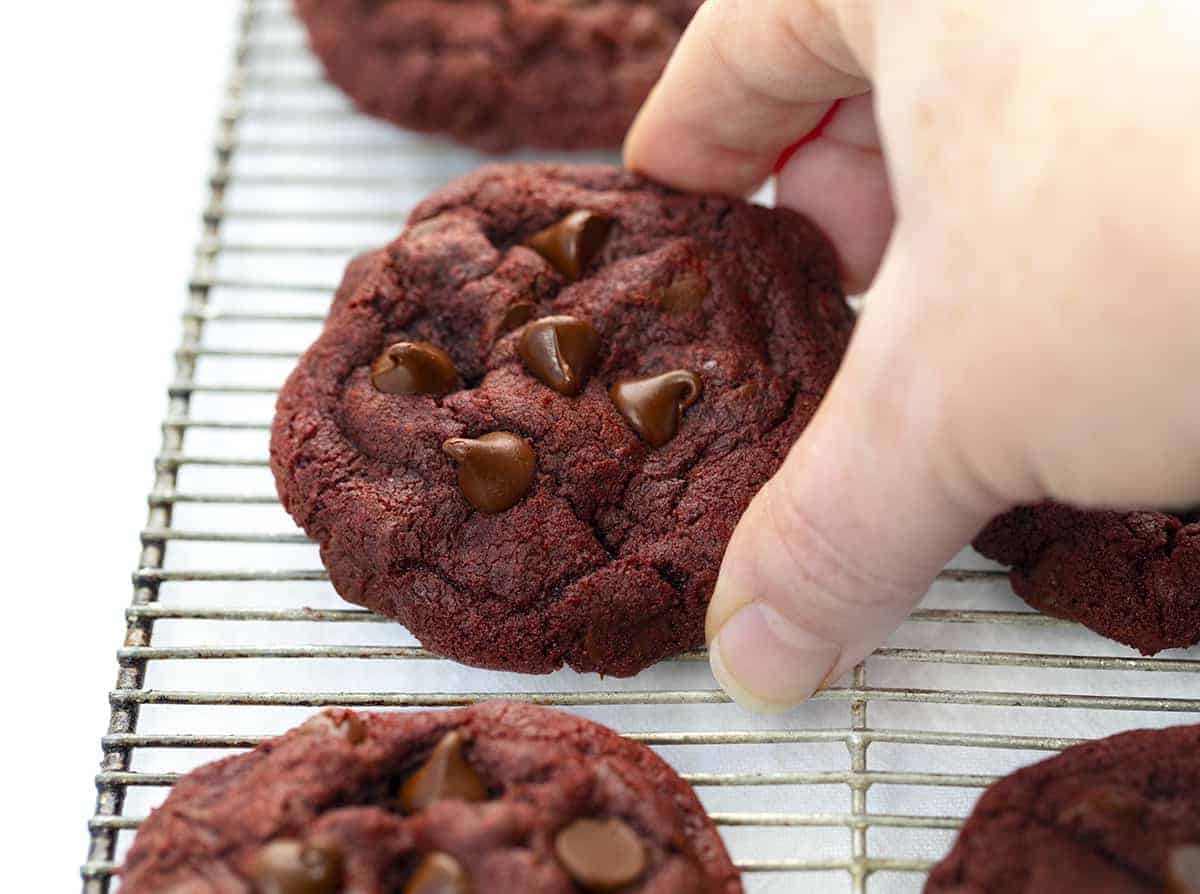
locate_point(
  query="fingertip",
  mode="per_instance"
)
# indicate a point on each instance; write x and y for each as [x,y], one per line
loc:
[766,663]
[678,154]
[741,84]
[733,688]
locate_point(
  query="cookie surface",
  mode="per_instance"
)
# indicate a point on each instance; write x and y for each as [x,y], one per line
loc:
[717,327]
[498,74]
[1115,816]
[496,797]
[1131,576]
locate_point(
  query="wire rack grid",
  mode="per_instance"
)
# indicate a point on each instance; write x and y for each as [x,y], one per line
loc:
[234,633]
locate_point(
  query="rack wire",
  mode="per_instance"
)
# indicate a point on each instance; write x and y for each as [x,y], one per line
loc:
[234,633]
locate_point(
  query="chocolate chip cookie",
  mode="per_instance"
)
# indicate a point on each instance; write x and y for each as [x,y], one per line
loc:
[1131,576]
[499,797]
[497,74]
[1116,816]
[532,421]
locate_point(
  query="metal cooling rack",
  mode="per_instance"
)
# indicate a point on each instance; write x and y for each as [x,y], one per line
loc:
[234,633]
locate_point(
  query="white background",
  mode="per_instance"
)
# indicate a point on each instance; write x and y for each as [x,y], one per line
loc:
[109,110]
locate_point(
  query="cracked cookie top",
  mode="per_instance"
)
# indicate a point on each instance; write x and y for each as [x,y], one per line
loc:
[1120,814]
[532,421]
[498,74]
[1131,576]
[497,797]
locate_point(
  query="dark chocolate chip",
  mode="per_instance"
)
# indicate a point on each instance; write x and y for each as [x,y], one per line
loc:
[654,406]
[560,351]
[287,866]
[600,855]
[414,367]
[445,775]
[494,471]
[1183,869]
[572,243]
[516,315]
[438,874]
[685,294]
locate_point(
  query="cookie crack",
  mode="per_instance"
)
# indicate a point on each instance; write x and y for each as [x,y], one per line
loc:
[1089,844]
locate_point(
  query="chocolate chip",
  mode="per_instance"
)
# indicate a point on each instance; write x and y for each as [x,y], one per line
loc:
[600,855]
[438,874]
[1097,807]
[350,726]
[445,775]
[572,243]
[515,315]
[653,406]
[1183,869]
[560,351]
[685,294]
[287,866]
[494,471]
[414,367]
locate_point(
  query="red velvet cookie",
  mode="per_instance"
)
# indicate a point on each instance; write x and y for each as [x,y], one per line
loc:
[1131,576]
[532,421]
[499,797]
[497,74]
[1116,816]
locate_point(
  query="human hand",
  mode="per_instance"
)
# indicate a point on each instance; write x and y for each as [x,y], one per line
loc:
[1032,327]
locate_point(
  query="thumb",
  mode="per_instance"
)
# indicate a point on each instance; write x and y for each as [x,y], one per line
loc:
[842,542]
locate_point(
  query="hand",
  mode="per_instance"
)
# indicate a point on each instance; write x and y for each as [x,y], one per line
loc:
[1032,327]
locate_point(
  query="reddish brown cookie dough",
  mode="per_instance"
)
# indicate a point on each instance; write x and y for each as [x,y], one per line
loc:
[1131,576]
[498,74]
[1106,817]
[331,802]
[607,561]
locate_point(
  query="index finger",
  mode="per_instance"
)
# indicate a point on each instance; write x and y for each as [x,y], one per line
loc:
[747,78]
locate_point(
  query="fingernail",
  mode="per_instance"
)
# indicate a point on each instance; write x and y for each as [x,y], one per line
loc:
[766,663]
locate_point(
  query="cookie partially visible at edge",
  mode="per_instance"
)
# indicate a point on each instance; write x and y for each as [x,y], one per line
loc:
[499,74]
[1131,576]
[1105,817]
[333,800]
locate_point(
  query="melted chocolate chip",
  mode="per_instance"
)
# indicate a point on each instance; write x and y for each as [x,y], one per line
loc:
[414,367]
[516,315]
[354,729]
[494,471]
[349,726]
[438,874]
[654,406]
[445,775]
[1183,869]
[600,855]
[685,294]
[572,243]
[560,351]
[287,866]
